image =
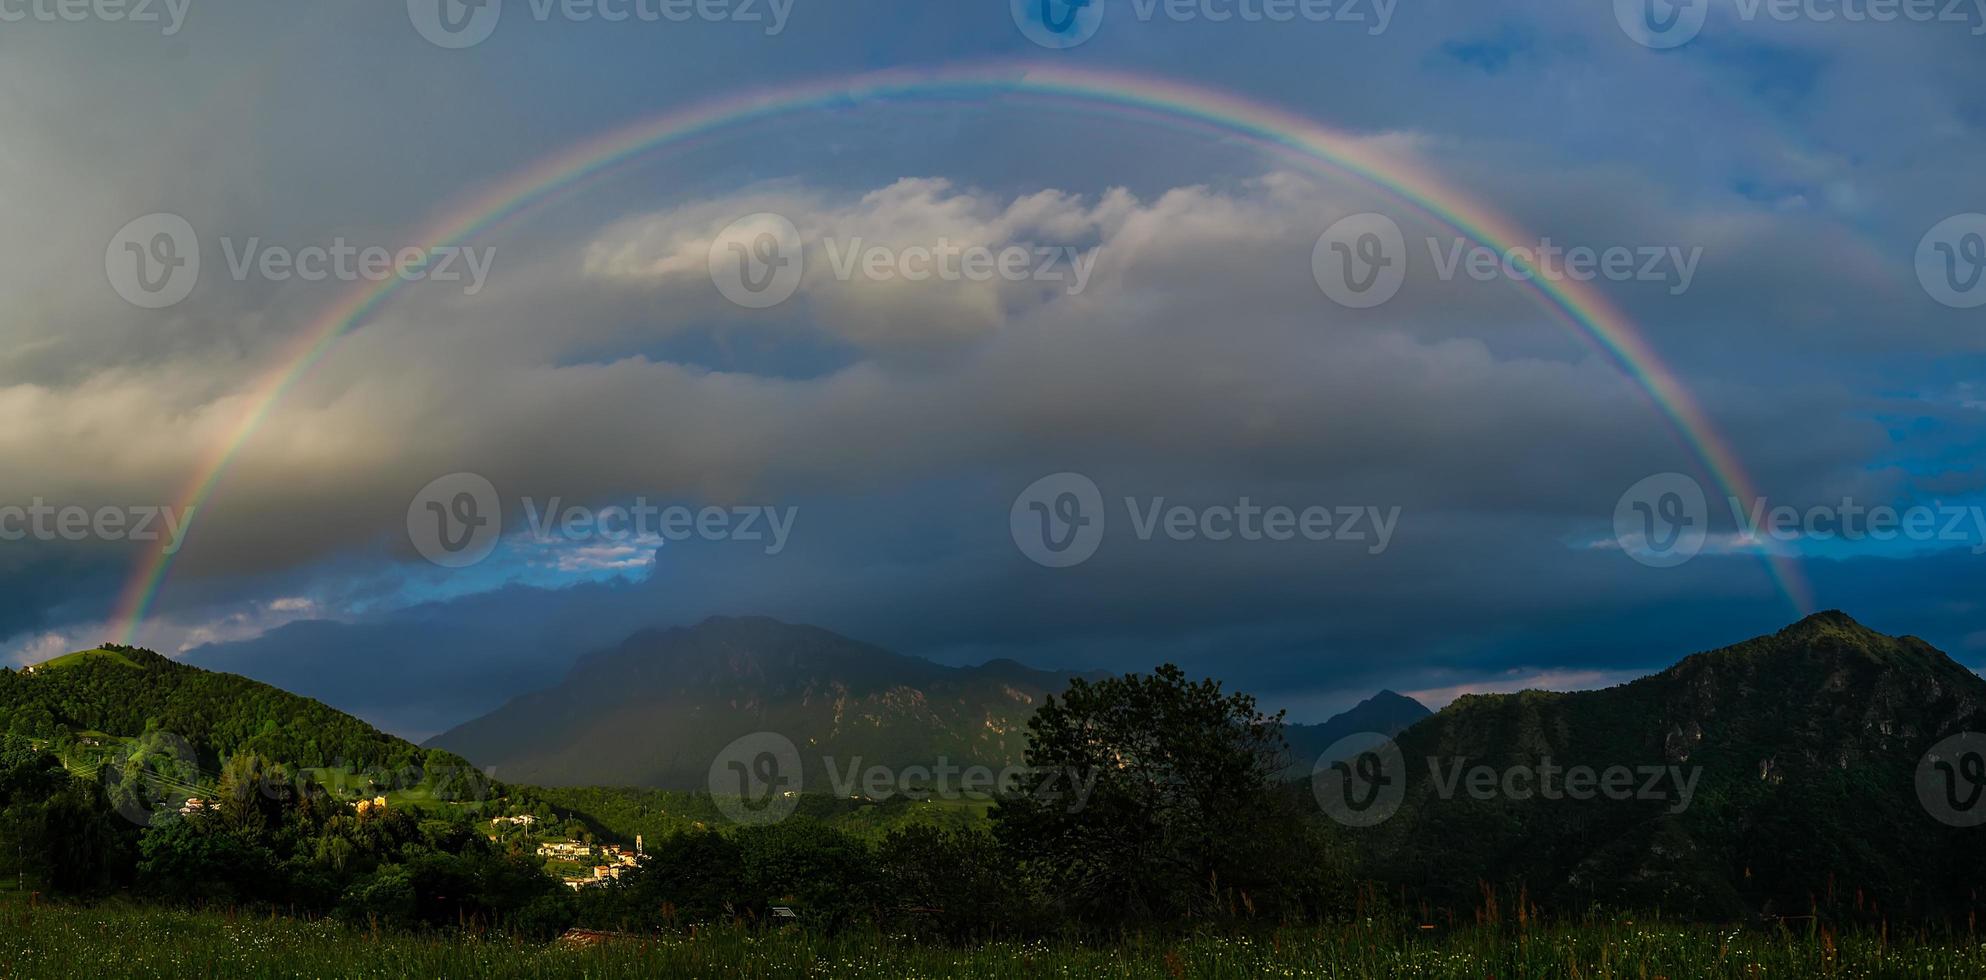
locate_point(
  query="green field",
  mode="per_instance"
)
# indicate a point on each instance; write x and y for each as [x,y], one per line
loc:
[115,940]
[72,659]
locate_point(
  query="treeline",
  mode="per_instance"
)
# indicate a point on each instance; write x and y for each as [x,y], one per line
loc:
[1151,801]
[266,837]
[1193,827]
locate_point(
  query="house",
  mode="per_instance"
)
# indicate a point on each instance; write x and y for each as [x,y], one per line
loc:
[192,806]
[567,850]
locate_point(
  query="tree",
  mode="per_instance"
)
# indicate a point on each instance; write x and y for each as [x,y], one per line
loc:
[58,830]
[955,883]
[1151,798]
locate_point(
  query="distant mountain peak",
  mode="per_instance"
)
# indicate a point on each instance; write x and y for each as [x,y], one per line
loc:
[1387,712]
[1803,744]
[1826,621]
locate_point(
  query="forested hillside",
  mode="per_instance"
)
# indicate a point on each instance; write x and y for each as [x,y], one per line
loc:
[129,692]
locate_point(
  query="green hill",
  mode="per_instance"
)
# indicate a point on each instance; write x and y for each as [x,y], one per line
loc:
[86,656]
[128,692]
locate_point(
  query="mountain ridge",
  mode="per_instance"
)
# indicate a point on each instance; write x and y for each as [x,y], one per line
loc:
[680,688]
[1812,734]
[831,695]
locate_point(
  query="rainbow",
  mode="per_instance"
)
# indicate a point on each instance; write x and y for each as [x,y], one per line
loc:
[1579,306]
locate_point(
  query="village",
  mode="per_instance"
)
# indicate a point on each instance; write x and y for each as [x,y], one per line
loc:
[578,864]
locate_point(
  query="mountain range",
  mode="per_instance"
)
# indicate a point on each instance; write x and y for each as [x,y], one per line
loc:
[657,709]
[1774,775]
[1785,773]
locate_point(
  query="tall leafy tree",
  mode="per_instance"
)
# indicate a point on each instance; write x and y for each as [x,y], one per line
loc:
[1150,798]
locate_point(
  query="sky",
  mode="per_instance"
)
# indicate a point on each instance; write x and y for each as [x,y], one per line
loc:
[1087,381]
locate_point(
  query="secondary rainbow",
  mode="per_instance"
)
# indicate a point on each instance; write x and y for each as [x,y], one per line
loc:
[1580,306]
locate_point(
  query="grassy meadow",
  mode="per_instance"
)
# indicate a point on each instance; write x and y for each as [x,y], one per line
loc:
[115,940]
